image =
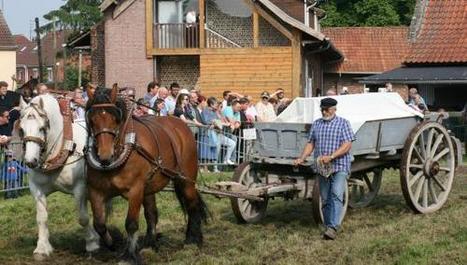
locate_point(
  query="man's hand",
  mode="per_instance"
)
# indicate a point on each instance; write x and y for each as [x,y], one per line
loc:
[4,139]
[298,161]
[325,159]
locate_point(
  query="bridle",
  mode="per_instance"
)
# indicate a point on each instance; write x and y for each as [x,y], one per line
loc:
[125,148]
[38,140]
[114,132]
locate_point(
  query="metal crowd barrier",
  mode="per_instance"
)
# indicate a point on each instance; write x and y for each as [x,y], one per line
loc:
[215,146]
[13,172]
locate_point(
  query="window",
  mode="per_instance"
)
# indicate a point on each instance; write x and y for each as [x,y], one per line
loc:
[50,75]
[35,73]
[174,11]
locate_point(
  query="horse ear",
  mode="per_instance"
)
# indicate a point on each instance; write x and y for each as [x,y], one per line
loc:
[113,93]
[15,131]
[22,103]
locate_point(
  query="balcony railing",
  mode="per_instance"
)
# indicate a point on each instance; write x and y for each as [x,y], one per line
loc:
[176,35]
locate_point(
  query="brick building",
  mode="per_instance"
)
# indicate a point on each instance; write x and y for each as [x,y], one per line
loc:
[246,46]
[367,51]
[27,62]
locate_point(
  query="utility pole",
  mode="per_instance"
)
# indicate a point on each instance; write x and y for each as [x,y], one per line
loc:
[80,62]
[39,49]
[55,55]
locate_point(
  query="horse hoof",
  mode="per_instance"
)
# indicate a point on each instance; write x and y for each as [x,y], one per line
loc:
[39,256]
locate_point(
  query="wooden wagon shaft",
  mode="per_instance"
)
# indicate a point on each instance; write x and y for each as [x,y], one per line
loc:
[230,194]
[269,189]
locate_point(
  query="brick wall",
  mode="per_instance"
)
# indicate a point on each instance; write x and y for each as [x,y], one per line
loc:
[98,54]
[333,81]
[181,69]
[125,49]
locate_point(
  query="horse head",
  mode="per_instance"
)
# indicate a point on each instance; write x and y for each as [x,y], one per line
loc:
[33,128]
[105,115]
[27,89]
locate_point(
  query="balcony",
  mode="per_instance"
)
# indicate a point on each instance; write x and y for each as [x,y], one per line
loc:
[176,35]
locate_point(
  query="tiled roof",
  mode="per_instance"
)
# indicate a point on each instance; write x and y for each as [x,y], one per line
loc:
[47,41]
[443,34]
[25,54]
[27,50]
[6,39]
[368,49]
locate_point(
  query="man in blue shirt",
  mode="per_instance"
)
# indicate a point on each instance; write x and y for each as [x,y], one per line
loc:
[331,140]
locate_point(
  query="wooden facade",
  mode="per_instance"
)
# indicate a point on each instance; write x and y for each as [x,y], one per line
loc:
[245,70]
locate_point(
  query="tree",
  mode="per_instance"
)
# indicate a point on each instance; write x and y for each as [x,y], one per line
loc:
[376,13]
[74,15]
[368,12]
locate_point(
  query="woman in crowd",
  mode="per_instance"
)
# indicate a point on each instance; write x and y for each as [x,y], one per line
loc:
[182,110]
[215,138]
[140,109]
[159,107]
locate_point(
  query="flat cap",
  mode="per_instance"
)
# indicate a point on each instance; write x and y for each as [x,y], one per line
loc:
[328,102]
[265,94]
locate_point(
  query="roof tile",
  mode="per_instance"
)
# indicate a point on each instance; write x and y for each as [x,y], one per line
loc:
[442,37]
[369,49]
[6,39]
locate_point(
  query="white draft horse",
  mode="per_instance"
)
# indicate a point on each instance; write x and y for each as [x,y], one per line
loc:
[41,129]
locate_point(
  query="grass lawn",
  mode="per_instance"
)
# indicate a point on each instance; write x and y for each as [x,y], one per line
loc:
[386,232]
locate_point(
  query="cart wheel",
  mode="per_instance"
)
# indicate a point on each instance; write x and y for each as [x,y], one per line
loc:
[427,167]
[317,204]
[248,211]
[364,187]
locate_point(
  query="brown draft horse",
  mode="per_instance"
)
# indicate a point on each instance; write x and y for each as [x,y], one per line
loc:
[26,90]
[154,151]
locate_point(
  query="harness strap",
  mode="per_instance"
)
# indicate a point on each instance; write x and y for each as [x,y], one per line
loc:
[68,145]
[172,174]
[34,139]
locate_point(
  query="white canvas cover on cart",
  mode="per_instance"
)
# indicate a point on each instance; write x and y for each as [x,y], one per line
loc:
[357,108]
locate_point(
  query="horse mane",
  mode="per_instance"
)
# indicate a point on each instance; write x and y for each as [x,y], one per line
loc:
[102,96]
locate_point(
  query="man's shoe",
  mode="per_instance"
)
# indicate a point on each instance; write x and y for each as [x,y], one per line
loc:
[229,162]
[330,233]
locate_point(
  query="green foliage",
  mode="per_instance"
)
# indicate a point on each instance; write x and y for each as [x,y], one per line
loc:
[71,78]
[74,15]
[342,13]
[376,13]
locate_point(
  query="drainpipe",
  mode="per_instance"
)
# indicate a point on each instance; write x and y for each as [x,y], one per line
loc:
[307,11]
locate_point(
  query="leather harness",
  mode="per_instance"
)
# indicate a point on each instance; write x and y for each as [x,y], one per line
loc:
[67,147]
[131,144]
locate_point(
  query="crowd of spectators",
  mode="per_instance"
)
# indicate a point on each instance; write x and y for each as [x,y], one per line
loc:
[11,170]
[216,124]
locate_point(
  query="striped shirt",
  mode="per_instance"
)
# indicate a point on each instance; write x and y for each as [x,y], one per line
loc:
[328,136]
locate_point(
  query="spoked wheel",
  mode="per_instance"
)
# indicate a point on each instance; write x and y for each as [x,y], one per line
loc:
[247,211]
[363,188]
[427,167]
[317,203]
